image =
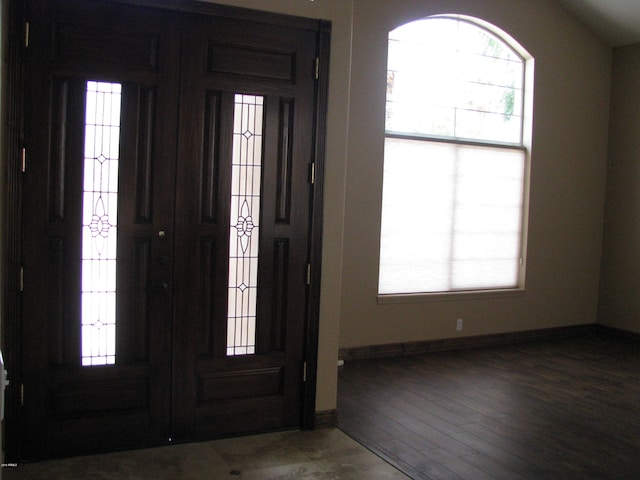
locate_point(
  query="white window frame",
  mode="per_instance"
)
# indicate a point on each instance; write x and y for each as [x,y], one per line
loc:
[522,146]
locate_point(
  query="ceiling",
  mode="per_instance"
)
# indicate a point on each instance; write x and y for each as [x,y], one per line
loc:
[615,21]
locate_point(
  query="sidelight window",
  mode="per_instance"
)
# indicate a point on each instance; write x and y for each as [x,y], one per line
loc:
[99,223]
[244,232]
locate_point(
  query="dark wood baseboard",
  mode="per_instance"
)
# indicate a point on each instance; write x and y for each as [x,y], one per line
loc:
[477,341]
[326,419]
[617,332]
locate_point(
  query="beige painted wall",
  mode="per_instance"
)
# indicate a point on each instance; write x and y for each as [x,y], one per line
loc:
[568,167]
[619,297]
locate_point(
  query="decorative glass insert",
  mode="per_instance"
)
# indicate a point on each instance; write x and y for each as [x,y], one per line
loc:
[99,223]
[244,230]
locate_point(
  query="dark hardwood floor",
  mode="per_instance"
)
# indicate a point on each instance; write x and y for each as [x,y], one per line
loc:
[566,409]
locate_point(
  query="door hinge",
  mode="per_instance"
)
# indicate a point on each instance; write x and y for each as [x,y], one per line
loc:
[304,371]
[312,173]
[26,34]
[22,394]
[317,68]
[308,274]
[23,166]
[21,279]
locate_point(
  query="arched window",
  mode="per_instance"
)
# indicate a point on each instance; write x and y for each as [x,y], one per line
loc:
[454,162]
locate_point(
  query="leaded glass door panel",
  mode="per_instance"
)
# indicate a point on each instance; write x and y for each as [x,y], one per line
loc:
[166,225]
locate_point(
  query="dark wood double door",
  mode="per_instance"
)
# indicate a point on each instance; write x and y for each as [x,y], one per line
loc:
[167,224]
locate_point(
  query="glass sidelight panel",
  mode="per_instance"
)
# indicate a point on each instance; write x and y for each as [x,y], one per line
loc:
[99,223]
[244,231]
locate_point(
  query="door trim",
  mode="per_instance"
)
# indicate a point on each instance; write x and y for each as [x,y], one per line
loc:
[12,218]
[313,319]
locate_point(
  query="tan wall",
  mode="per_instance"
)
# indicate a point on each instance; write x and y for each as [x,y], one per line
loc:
[568,167]
[619,296]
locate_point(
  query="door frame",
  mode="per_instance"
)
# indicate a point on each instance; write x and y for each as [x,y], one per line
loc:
[11,217]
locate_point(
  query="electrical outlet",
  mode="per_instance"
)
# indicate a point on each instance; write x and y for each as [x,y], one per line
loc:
[459,324]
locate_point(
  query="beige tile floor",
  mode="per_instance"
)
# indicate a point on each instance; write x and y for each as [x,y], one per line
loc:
[299,455]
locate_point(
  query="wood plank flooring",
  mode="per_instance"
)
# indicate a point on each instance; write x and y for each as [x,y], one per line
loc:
[565,409]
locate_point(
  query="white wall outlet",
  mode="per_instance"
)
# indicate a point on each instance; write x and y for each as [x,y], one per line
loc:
[459,324]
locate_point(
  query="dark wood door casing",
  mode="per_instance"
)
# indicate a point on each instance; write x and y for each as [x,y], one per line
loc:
[172,380]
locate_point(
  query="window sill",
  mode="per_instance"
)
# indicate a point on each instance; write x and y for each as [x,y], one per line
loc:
[450,296]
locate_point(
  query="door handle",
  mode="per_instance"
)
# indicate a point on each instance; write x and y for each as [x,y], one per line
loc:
[161,288]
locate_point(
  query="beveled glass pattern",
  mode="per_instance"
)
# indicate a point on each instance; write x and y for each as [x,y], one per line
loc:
[244,230]
[99,223]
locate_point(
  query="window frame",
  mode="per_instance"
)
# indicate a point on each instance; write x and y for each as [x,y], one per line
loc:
[524,145]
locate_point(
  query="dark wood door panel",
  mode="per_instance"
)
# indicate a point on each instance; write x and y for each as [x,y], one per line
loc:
[251,61]
[238,415]
[66,404]
[269,380]
[240,384]
[79,399]
[103,37]
[252,50]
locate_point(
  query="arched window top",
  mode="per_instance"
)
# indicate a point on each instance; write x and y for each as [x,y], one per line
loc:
[452,77]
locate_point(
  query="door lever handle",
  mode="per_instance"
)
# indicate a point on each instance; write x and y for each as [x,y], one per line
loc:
[161,288]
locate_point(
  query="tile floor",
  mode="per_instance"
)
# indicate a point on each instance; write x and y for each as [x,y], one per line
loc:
[298,455]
